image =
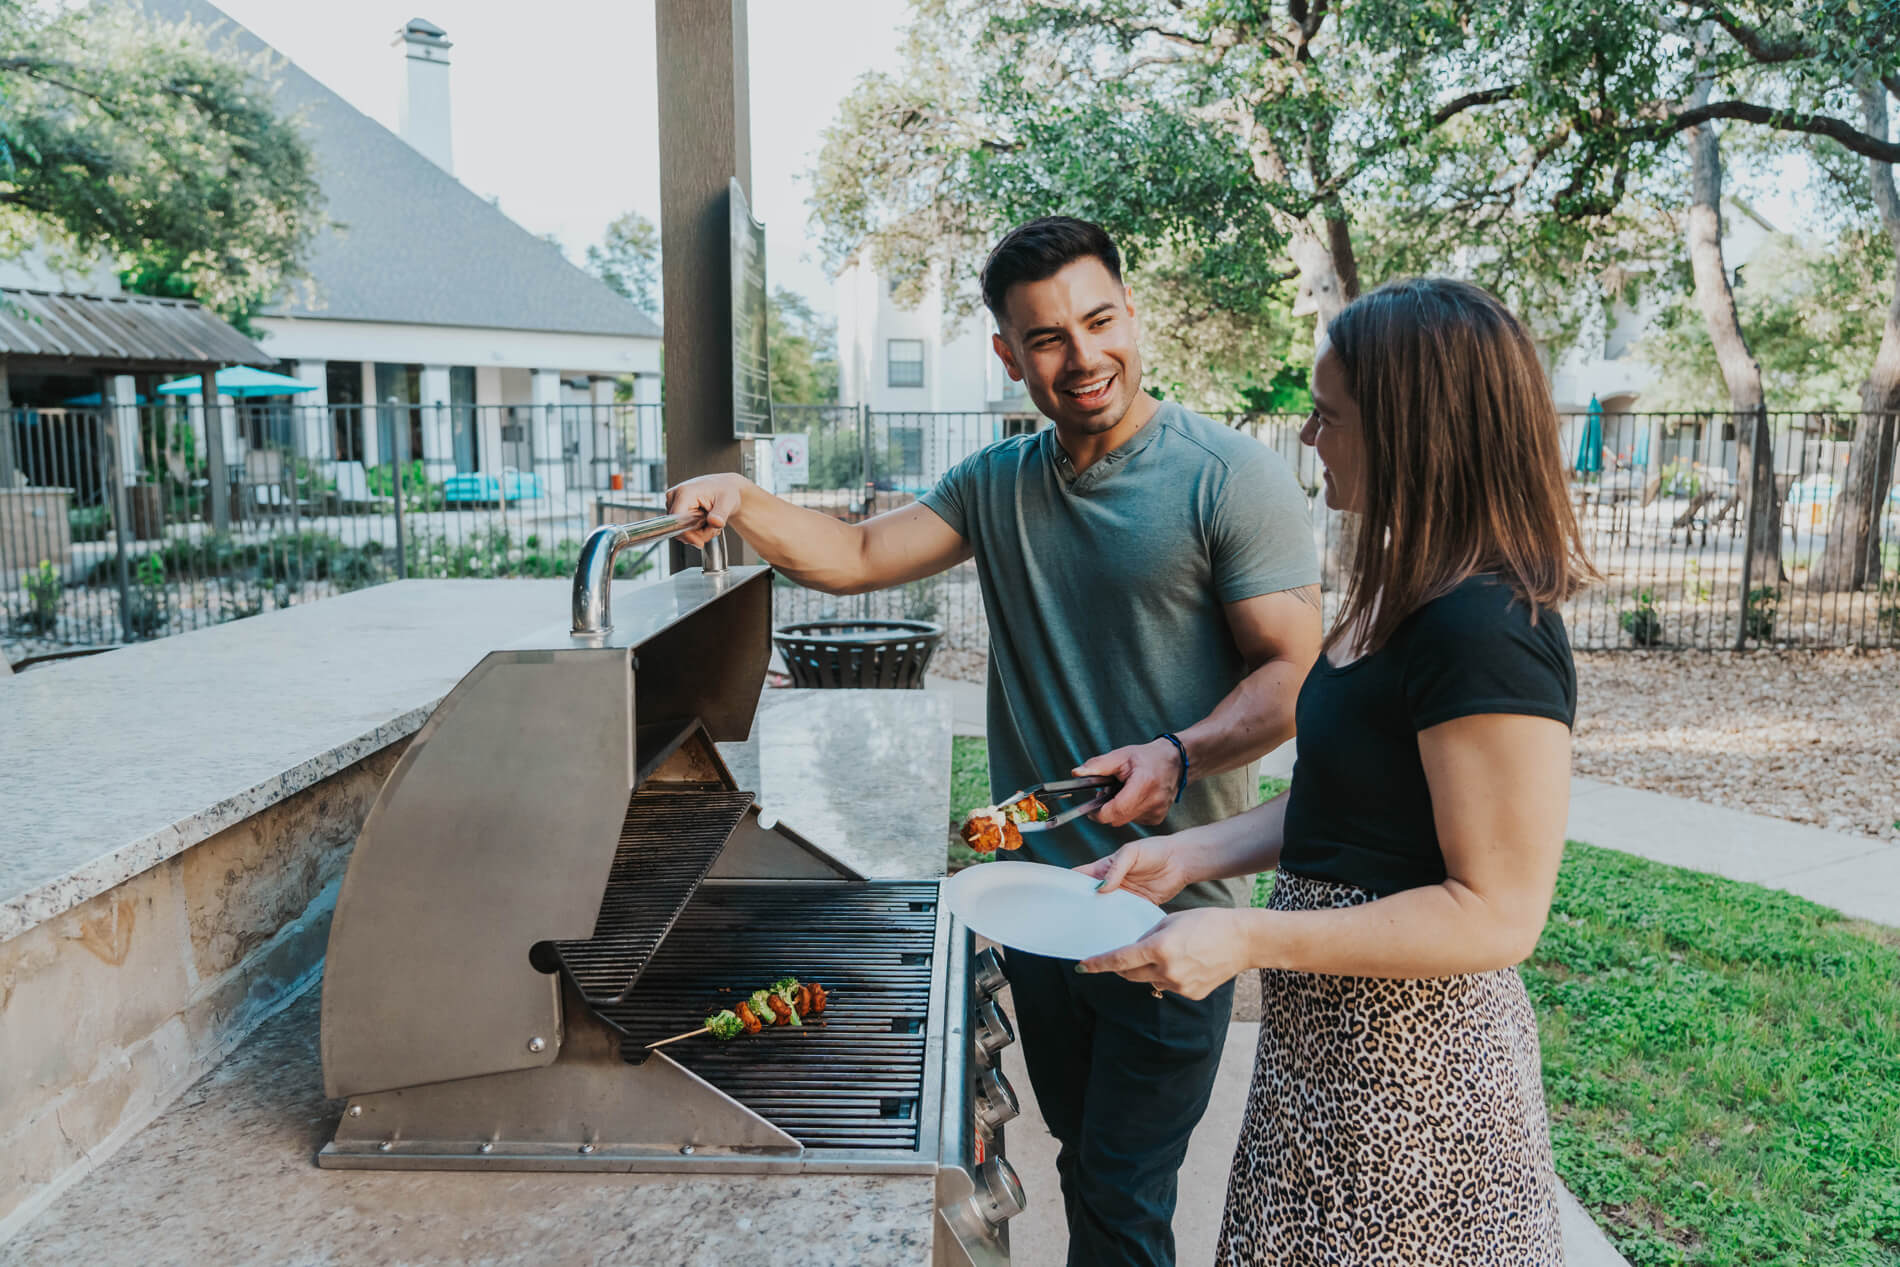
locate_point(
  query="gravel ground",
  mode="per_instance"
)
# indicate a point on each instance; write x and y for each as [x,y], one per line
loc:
[1813,737]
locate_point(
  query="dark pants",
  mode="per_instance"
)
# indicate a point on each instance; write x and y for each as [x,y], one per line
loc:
[1122,1078]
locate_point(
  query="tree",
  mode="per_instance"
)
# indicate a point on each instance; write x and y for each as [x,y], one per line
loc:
[803,350]
[141,141]
[628,260]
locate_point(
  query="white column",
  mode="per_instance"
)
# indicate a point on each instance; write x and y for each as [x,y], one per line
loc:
[605,428]
[545,395]
[650,428]
[438,444]
[125,420]
[488,413]
[372,420]
[312,411]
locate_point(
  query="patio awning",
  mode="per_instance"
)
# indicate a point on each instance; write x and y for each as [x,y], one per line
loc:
[126,333]
[240,381]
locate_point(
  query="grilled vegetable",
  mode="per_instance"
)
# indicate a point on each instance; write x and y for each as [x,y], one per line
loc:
[761,1001]
[785,989]
[724,1025]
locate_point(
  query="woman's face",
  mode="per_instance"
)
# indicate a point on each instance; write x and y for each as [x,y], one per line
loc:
[1333,431]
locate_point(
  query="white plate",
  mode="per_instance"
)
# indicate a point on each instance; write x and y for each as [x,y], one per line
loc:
[1047,910]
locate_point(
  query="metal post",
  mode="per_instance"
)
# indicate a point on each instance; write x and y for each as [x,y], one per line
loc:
[115,488]
[401,436]
[705,141]
[8,463]
[219,474]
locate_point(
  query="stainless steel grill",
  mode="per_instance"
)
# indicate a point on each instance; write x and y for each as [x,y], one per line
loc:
[561,870]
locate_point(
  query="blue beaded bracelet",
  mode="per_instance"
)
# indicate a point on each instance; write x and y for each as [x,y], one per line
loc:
[1182,749]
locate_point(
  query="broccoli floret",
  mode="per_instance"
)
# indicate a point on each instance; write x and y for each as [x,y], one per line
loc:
[762,1005]
[784,988]
[724,1025]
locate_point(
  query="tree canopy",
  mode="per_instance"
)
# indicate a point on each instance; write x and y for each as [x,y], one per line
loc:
[628,260]
[803,349]
[139,141]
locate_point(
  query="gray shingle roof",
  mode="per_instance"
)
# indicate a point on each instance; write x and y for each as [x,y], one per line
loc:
[415,245]
[133,329]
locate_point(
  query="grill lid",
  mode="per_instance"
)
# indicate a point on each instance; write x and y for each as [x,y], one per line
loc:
[672,834]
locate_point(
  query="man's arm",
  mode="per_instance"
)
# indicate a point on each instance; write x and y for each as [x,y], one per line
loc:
[814,549]
[1279,635]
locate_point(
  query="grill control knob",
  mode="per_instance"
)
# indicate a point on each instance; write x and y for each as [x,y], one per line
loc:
[986,972]
[999,1193]
[995,1101]
[991,1028]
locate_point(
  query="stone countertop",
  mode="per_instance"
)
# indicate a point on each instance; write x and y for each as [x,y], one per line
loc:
[864,775]
[228,1175]
[114,763]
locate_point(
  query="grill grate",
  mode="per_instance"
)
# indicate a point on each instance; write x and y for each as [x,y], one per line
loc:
[668,841]
[854,1081]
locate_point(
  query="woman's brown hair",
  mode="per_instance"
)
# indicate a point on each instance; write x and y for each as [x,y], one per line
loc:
[1463,472]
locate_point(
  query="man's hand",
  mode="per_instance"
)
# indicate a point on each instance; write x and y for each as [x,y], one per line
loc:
[1192,953]
[1149,772]
[707,503]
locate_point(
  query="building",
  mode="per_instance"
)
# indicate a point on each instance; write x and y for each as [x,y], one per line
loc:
[897,361]
[425,293]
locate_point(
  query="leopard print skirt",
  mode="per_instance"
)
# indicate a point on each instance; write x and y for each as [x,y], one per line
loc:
[1391,1123]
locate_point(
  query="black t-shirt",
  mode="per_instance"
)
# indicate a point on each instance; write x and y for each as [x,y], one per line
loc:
[1360,812]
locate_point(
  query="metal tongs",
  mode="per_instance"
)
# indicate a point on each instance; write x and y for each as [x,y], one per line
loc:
[1105,787]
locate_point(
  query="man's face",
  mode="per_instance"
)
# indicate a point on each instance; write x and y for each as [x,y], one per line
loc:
[1070,339]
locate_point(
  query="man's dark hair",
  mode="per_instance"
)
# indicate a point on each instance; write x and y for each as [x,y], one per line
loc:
[1039,250]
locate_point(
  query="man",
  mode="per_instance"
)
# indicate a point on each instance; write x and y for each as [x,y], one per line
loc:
[1151,583]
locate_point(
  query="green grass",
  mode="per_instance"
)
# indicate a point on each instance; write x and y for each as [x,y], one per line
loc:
[1723,1066]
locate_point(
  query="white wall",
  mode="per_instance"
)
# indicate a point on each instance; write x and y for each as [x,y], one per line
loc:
[960,369]
[314,339]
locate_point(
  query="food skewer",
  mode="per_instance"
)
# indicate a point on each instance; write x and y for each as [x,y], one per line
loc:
[784,1003]
[1003,825]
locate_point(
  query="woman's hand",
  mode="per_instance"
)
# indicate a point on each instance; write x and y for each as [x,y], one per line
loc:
[1192,953]
[1149,868]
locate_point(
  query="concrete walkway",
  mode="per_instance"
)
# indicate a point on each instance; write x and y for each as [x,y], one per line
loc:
[1857,877]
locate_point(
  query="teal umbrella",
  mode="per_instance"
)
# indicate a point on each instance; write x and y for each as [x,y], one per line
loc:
[1590,451]
[1642,445]
[240,381]
[92,398]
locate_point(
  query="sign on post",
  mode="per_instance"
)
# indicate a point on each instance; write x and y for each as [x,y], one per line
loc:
[791,460]
[751,364]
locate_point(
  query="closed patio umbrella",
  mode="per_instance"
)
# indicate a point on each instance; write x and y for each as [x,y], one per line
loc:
[1590,450]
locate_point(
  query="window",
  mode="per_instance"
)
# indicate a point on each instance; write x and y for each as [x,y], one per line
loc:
[1018,425]
[906,358]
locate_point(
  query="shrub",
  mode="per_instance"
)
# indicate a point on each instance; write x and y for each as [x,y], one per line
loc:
[89,523]
[44,589]
[1759,623]
[1643,623]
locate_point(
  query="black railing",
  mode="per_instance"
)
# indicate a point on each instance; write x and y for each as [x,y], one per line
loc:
[128,523]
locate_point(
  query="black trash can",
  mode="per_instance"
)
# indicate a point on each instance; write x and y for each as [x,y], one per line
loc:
[888,654]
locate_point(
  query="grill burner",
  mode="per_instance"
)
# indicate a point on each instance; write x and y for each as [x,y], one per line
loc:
[669,841]
[852,1078]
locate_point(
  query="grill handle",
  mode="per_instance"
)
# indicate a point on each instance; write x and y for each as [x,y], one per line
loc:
[594,575]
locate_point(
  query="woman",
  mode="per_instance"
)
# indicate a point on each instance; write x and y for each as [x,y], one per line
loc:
[1397,1113]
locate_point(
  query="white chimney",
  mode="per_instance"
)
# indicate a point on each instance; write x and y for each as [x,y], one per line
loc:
[424,118]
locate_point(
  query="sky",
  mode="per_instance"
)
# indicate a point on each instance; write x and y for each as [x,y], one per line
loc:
[558,116]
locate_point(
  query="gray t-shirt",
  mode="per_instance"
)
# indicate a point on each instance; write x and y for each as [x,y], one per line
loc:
[1104,592]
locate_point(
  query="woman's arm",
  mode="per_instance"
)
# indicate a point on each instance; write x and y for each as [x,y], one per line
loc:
[1500,786]
[1159,867]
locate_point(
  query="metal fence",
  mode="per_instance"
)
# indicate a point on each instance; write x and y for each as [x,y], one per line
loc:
[134,522]
[119,524]
[1659,497]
